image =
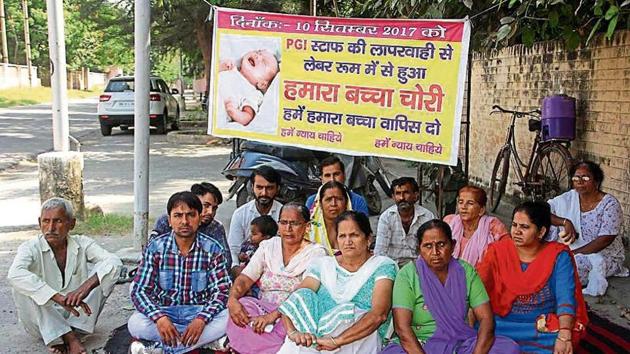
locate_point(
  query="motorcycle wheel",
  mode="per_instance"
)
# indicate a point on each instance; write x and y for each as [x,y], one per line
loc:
[373,199]
[242,197]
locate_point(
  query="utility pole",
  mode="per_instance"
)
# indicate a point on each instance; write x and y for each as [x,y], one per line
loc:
[60,171]
[3,29]
[27,42]
[142,43]
[58,75]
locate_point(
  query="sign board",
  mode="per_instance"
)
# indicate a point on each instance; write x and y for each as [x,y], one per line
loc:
[382,87]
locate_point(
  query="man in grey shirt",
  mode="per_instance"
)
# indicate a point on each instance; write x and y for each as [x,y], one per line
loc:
[397,226]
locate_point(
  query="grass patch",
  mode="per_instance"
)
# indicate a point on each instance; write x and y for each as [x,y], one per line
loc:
[20,96]
[106,225]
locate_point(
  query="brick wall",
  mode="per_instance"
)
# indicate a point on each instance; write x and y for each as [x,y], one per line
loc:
[518,78]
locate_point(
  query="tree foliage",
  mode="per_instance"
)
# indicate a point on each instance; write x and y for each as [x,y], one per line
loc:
[96,37]
[498,23]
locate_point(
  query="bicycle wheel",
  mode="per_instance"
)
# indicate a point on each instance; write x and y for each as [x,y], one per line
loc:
[499,177]
[550,171]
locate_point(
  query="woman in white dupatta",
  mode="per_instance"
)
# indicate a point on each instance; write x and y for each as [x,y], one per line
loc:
[344,302]
[594,219]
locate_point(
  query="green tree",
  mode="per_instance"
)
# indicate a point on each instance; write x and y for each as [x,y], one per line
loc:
[95,38]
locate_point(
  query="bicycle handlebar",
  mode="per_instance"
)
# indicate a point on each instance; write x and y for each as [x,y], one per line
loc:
[496,108]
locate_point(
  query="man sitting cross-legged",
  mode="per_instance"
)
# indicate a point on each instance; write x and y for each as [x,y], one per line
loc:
[181,288]
[60,282]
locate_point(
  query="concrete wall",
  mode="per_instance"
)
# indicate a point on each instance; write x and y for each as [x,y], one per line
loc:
[518,78]
[12,75]
[85,80]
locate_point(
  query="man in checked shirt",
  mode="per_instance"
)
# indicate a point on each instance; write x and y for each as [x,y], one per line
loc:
[181,288]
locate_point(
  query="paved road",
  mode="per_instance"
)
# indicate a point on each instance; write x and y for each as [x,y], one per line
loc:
[108,170]
[27,130]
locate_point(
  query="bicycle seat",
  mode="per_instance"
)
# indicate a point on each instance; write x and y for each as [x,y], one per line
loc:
[534,125]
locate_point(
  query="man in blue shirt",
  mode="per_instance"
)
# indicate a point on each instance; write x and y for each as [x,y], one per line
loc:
[332,169]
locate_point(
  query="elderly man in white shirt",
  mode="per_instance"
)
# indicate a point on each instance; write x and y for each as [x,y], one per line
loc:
[266,183]
[60,282]
[397,226]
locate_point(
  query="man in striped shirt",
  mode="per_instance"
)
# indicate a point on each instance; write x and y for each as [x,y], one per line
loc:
[181,288]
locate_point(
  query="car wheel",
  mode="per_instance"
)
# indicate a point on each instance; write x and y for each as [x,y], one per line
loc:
[161,127]
[175,124]
[106,130]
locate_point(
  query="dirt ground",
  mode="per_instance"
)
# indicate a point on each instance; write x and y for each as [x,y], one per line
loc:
[15,340]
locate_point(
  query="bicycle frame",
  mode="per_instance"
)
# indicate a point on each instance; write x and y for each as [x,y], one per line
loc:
[518,162]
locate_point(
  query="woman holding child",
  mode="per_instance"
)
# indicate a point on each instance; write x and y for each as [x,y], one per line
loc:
[277,265]
[534,286]
[432,298]
[331,200]
[344,301]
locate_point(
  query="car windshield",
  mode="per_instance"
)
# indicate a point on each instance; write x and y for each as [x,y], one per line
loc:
[124,86]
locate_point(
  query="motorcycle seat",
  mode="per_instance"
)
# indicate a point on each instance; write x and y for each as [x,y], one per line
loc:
[288,153]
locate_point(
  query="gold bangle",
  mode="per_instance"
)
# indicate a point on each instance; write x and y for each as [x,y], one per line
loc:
[332,339]
[292,333]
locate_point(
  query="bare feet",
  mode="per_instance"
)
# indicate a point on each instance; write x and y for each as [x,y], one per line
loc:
[58,349]
[73,344]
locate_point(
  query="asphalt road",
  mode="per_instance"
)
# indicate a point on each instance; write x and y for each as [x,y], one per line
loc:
[108,164]
[28,130]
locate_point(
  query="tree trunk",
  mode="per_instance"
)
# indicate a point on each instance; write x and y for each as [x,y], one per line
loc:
[203,32]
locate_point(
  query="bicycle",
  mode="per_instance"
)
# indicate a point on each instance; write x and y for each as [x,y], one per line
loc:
[547,171]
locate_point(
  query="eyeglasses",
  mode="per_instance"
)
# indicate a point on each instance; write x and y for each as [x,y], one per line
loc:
[577,178]
[285,223]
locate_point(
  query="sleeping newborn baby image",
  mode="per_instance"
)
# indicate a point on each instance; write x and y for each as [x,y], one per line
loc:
[242,90]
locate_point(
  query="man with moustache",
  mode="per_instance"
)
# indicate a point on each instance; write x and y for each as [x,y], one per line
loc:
[266,184]
[60,282]
[210,197]
[181,289]
[397,226]
[333,169]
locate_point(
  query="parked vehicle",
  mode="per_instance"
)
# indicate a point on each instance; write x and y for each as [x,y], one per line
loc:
[300,173]
[116,104]
[546,173]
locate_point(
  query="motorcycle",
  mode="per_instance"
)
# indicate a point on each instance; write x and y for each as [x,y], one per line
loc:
[299,169]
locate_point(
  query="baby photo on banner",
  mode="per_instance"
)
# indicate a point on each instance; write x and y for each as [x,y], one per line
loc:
[382,87]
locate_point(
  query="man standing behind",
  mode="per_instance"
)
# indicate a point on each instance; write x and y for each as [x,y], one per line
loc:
[60,282]
[181,288]
[332,169]
[210,198]
[397,226]
[266,184]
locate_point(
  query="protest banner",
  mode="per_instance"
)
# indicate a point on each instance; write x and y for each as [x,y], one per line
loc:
[382,87]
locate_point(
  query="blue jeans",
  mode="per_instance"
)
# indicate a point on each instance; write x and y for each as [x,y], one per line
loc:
[142,327]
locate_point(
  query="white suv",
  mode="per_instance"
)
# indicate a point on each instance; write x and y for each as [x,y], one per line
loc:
[115,106]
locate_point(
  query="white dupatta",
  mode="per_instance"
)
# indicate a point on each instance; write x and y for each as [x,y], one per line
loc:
[567,205]
[344,292]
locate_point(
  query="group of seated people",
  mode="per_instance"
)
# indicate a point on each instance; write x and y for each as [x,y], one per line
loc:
[315,278]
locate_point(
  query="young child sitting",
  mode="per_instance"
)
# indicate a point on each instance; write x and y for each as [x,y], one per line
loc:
[242,90]
[261,228]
